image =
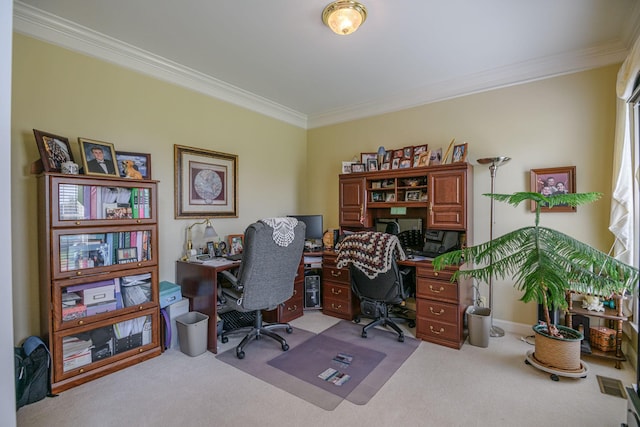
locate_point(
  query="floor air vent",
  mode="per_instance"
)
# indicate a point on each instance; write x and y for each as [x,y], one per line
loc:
[611,386]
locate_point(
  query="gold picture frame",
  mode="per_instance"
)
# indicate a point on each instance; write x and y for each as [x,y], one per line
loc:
[206,183]
[95,154]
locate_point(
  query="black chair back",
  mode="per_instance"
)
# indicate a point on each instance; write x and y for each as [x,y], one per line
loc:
[386,287]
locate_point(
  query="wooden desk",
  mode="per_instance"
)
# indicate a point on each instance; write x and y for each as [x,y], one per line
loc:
[199,283]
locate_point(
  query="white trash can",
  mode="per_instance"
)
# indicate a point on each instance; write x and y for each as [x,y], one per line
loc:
[479,322]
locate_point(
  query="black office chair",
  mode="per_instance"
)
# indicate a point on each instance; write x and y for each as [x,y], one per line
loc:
[264,280]
[376,278]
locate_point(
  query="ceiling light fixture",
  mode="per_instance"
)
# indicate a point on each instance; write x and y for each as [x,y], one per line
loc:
[344,16]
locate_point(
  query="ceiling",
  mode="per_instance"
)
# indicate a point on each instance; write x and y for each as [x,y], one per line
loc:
[276,57]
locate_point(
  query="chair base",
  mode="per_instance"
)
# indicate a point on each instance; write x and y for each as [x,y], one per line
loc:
[256,332]
[381,321]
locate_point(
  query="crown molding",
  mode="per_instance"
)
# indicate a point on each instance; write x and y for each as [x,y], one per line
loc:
[39,24]
[497,78]
[42,25]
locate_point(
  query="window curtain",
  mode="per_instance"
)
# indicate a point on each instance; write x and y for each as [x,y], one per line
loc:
[621,222]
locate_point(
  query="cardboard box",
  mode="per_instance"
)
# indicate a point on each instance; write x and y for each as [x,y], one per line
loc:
[169,293]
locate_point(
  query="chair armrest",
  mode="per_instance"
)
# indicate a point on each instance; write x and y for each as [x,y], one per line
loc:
[227,274]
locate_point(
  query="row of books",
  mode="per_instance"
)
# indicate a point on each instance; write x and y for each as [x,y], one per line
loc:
[82,251]
[99,202]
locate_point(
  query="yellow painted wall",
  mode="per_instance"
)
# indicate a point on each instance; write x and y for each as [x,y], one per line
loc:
[72,95]
[562,121]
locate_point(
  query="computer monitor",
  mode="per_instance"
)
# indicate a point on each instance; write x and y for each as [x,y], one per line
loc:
[314,226]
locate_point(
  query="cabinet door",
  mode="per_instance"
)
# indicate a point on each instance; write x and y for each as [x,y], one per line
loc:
[352,202]
[447,200]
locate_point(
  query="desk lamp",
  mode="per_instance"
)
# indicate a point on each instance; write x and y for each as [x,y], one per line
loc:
[494,163]
[209,232]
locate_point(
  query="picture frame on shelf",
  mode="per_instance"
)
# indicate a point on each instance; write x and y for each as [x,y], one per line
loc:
[390,197]
[398,154]
[550,181]
[412,195]
[54,150]
[98,157]
[211,249]
[236,243]
[365,157]
[445,158]
[377,196]
[436,157]
[385,166]
[346,167]
[404,163]
[459,153]
[388,155]
[424,159]
[358,167]
[372,165]
[127,255]
[407,152]
[140,162]
[206,183]
[395,163]
[417,151]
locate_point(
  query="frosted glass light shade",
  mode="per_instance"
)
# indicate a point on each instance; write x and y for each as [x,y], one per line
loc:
[344,17]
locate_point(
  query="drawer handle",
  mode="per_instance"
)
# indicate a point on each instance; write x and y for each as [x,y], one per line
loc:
[438,291]
[294,308]
[79,273]
[436,332]
[336,307]
[81,322]
[434,313]
[336,273]
[336,292]
[435,273]
[140,308]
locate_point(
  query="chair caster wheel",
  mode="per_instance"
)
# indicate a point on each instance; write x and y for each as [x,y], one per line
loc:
[240,354]
[401,338]
[526,362]
[285,347]
[412,324]
[364,335]
[289,330]
[554,377]
[224,340]
[356,320]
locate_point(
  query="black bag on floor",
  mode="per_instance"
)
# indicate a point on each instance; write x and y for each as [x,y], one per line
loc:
[32,362]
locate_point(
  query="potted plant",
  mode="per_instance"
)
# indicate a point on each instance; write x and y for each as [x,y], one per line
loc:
[545,264]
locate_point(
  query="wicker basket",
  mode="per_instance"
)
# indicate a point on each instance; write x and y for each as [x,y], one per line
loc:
[602,338]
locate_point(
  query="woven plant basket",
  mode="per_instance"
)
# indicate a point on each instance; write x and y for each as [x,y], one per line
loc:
[558,353]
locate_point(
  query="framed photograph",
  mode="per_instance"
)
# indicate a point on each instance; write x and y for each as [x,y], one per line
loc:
[387,156]
[385,166]
[407,153]
[412,196]
[365,157]
[206,183]
[346,167]
[236,243]
[127,255]
[550,181]
[417,150]
[358,167]
[98,158]
[424,158]
[397,154]
[54,150]
[395,163]
[377,196]
[211,249]
[390,197]
[133,165]
[436,157]
[459,153]
[404,164]
[372,165]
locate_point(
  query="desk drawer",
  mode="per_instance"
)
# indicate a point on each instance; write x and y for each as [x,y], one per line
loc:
[336,291]
[440,290]
[437,311]
[428,272]
[335,274]
[337,308]
[431,330]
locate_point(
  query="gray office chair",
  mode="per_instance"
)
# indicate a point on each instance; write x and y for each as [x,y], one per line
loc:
[376,278]
[265,277]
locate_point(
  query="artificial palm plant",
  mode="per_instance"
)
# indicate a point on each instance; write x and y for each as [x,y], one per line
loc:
[544,263]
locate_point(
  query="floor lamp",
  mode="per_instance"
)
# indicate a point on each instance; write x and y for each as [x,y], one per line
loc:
[494,163]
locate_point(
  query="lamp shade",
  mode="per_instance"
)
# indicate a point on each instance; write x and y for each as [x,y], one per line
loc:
[344,17]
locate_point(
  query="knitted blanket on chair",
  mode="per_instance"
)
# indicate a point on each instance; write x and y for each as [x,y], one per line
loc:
[371,252]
